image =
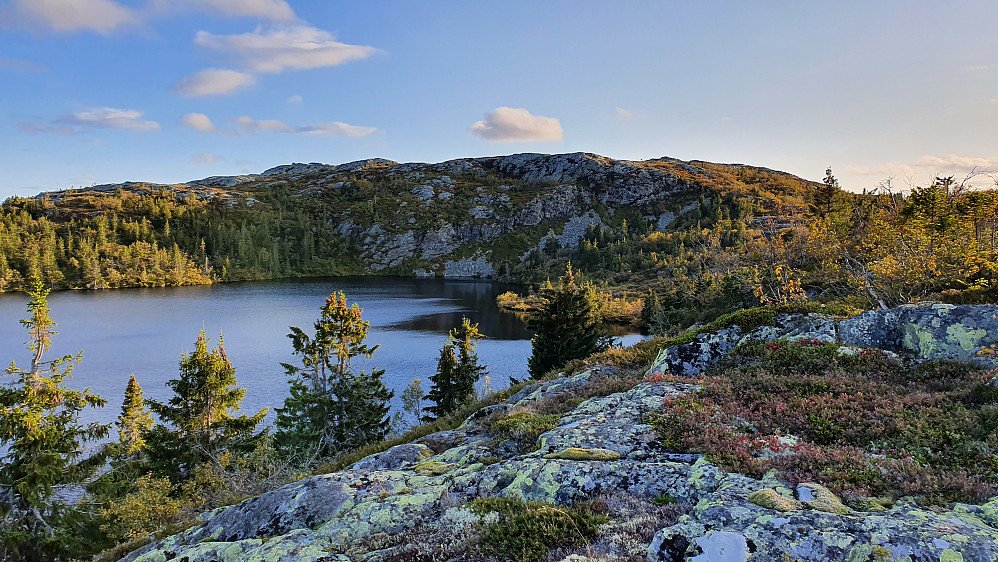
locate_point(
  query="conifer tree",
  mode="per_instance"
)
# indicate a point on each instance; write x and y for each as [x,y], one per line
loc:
[652,314]
[454,381]
[134,420]
[201,414]
[566,326]
[332,409]
[43,445]
[827,196]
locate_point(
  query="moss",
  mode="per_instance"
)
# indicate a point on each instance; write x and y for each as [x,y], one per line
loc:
[433,468]
[872,505]
[523,427]
[771,499]
[824,500]
[579,454]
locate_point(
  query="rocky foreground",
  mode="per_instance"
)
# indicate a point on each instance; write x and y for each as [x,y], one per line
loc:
[408,503]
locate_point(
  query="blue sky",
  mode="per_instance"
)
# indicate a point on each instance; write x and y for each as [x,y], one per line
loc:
[100,91]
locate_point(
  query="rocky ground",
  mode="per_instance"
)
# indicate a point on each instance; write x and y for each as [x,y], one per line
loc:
[582,437]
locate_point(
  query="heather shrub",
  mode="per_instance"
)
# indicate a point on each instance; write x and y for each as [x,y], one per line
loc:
[861,423]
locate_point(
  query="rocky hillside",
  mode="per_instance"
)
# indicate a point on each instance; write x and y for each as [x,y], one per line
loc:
[471,217]
[576,469]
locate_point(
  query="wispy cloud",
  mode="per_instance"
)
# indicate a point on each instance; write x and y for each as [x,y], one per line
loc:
[623,114]
[198,122]
[206,158]
[97,118]
[922,170]
[66,16]
[250,126]
[507,124]
[297,47]
[977,68]
[273,10]
[22,65]
[213,82]
[294,100]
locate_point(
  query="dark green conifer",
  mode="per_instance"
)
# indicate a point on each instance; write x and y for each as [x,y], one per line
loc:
[454,381]
[199,421]
[134,420]
[652,314]
[332,409]
[566,327]
[43,444]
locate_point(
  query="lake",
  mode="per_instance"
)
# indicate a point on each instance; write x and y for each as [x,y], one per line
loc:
[145,331]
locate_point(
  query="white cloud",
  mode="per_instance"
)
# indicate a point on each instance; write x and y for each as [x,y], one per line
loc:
[976,68]
[507,124]
[294,100]
[110,118]
[213,82]
[251,126]
[274,10]
[993,101]
[206,158]
[65,16]
[922,170]
[198,122]
[296,47]
[624,114]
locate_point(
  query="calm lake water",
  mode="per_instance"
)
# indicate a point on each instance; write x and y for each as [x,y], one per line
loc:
[145,331]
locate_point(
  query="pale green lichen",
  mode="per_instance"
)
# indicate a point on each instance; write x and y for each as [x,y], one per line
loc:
[967,338]
[771,499]
[433,468]
[579,454]
[950,555]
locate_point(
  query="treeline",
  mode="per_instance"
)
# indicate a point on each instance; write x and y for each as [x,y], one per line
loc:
[745,246]
[122,239]
[195,451]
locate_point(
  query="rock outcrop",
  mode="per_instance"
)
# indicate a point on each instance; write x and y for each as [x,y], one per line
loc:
[601,447]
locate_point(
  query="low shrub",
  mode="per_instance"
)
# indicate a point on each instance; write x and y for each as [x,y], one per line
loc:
[526,531]
[860,423]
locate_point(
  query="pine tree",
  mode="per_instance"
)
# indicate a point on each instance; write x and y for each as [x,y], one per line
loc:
[43,444]
[201,414]
[332,409]
[454,381]
[566,327]
[652,313]
[134,420]
[827,196]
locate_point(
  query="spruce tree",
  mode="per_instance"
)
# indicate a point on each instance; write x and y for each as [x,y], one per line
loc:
[134,421]
[199,421]
[827,196]
[454,381]
[43,444]
[331,409]
[652,313]
[566,326]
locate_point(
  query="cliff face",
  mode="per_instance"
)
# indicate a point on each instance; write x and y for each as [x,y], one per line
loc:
[411,502]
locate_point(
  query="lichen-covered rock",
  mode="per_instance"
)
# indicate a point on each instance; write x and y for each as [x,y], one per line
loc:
[938,331]
[433,468]
[396,457]
[579,454]
[705,351]
[945,331]
[615,422]
[299,546]
[794,327]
